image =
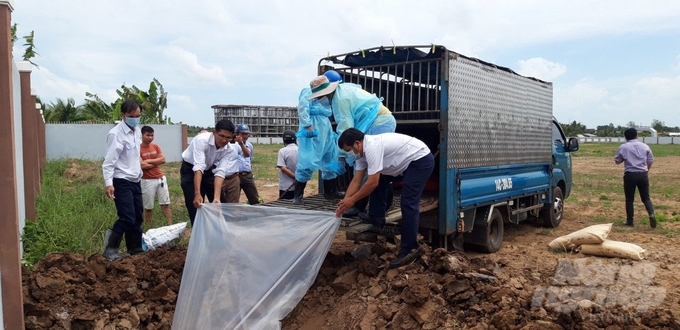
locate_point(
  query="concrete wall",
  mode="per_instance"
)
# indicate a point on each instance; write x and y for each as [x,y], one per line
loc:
[18,150]
[88,141]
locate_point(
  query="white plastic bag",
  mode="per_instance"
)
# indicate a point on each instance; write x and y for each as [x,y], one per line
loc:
[248,266]
[594,234]
[163,236]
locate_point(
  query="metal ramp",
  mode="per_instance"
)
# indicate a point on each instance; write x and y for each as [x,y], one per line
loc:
[353,224]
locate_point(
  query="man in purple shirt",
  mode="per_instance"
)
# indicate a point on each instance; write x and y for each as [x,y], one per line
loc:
[637,159]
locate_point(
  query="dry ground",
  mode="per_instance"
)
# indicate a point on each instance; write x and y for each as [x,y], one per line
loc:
[525,285]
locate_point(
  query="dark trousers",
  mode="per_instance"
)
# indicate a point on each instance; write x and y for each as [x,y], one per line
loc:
[249,188]
[416,175]
[129,206]
[286,194]
[186,173]
[631,180]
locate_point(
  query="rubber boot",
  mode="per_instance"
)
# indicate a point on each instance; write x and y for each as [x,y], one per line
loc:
[112,244]
[330,191]
[299,192]
[133,241]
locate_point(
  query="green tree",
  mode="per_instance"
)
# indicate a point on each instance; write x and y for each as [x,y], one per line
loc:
[95,109]
[29,51]
[63,111]
[153,102]
[659,125]
[573,129]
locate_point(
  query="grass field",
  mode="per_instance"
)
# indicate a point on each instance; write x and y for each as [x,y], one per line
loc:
[73,212]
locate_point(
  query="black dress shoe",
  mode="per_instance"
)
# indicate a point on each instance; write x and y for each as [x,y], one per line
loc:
[405,259]
[378,223]
[629,224]
[652,221]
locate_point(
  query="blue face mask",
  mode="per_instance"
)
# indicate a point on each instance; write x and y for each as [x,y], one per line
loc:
[132,122]
[324,101]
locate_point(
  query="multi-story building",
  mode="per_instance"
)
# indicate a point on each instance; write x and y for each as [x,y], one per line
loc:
[263,120]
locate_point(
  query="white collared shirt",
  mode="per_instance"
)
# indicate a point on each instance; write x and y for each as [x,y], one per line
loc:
[390,153]
[203,154]
[122,154]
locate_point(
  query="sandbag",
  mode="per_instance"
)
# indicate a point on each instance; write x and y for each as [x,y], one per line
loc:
[590,235]
[164,236]
[614,249]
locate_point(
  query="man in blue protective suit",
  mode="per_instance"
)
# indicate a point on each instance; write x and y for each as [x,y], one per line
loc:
[317,144]
[354,107]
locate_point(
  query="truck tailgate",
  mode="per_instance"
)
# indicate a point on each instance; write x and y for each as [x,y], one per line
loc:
[352,225]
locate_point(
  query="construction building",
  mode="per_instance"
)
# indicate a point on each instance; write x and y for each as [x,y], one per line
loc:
[263,120]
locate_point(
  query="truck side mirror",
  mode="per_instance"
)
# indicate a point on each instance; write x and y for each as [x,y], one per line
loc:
[572,145]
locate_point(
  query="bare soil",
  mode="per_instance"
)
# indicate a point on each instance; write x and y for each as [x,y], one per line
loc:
[525,285]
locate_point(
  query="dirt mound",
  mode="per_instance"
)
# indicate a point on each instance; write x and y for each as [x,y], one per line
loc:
[449,290]
[353,290]
[67,291]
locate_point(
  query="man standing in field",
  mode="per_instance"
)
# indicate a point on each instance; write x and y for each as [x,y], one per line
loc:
[637,158]
[122,174]
[245,154]
[287,163]
[154,183]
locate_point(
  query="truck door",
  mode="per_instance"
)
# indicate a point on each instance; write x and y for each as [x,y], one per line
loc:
[561,158]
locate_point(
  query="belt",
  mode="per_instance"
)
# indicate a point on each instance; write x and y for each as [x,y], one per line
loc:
[232,176]
[244,173]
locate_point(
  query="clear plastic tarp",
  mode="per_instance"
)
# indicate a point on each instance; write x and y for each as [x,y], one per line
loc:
[248,266]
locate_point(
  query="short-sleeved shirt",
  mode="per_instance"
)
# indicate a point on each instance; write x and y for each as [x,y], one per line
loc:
[153,151]
[202,154]
[635,155]
[390,153]
[243,161]
[288,158]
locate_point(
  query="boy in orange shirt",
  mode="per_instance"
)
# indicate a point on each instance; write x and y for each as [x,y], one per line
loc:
[154,183]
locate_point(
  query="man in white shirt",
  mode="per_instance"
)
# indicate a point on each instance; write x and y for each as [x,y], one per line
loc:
[287,163]
[122,172]
[384,157]
[206,164]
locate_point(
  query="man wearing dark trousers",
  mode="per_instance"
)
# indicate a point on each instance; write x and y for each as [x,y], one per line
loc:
[384,157]
[637,158]
[245,154]
[122,172]
[206,163]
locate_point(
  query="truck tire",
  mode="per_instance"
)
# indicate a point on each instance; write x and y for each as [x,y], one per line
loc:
[489,237]
[552,212]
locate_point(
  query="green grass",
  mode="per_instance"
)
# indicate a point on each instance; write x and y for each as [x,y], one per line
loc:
[609,150]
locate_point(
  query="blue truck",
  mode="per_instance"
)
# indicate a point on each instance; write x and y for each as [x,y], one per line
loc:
[501,156]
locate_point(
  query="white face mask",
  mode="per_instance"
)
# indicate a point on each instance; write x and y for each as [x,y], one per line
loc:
[324,101]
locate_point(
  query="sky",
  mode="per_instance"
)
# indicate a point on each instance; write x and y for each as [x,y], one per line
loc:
[609,61]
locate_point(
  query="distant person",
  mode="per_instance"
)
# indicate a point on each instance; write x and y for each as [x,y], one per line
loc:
[384,157]
[154,183]
[205,165]
[122,174]
[354,107]
[245,154]
[638,159]
[287,161]
[317,143]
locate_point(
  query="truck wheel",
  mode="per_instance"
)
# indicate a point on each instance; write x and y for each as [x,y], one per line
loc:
[492,233]
[552,212]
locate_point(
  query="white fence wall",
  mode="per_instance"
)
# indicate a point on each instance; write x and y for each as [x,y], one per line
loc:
[88,141]
[647,140]
[19,150]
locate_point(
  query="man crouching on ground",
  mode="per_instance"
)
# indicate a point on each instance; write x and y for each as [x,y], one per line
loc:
[384,157]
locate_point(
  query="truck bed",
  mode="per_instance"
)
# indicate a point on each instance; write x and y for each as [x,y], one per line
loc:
[353,225]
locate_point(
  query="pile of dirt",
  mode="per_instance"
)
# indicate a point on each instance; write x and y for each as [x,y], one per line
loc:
[447,290]
[68,291]
[354,290]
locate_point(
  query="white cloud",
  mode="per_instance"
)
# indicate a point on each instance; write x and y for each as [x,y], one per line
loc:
[49,86]
[541,68]
[187,63]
